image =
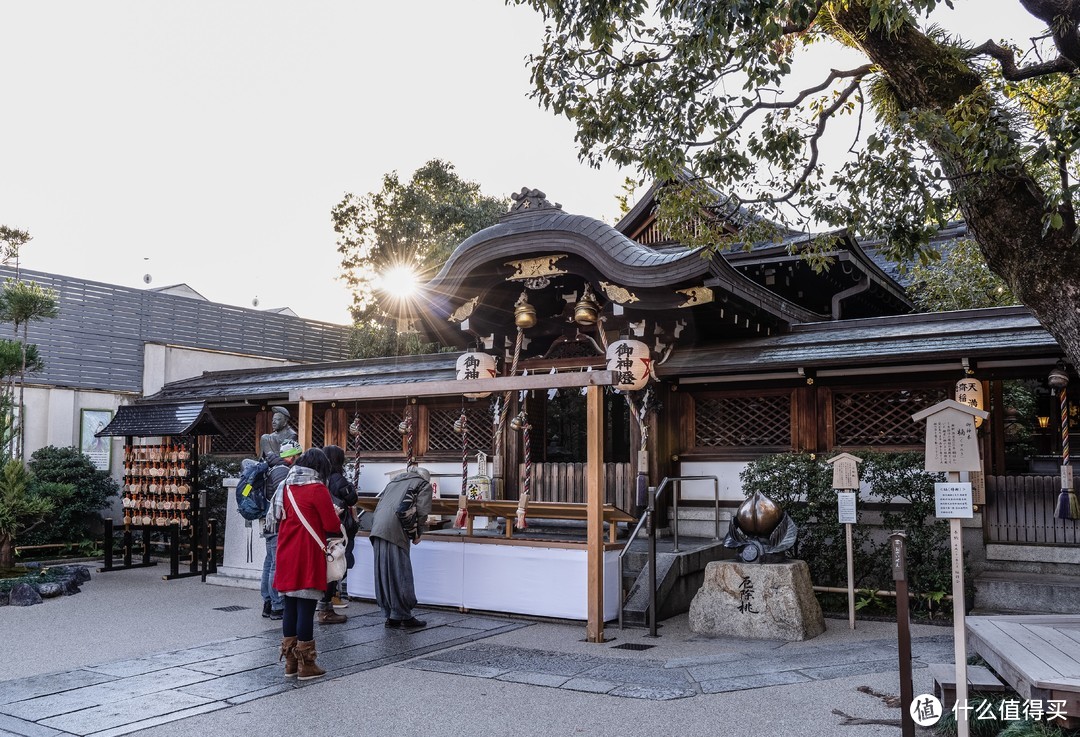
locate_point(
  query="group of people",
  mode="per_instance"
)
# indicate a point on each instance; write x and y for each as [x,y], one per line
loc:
[310,499]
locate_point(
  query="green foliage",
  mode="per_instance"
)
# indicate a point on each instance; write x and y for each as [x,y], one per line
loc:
[1030,728]
[372,339]
[213,470]
[11,240]
[733,102]
[802,485]
[960,280]
[416,224]
[79,492]
[21,508]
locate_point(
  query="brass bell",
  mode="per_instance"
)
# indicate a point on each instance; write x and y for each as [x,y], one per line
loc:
[520,420]
[459,425]
[354,427]
[403,427]
[524,313]
[587,310]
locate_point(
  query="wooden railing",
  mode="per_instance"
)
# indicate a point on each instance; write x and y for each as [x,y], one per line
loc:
[1020,509]
[565,482]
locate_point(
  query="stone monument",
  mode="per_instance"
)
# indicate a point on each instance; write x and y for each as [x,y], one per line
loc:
[754,597]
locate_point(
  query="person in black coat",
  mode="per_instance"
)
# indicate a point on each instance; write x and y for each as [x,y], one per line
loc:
[344,497]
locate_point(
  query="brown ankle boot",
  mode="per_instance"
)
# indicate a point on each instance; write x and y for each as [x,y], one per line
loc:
[329,616]
[305,655]
[288,653]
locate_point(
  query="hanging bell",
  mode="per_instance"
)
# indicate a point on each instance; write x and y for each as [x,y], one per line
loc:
[459,425]
[403,427]
[524,313]
[587,309]
[520,420]
[354,427]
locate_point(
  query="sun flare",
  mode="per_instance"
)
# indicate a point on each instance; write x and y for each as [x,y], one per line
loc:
[399,281]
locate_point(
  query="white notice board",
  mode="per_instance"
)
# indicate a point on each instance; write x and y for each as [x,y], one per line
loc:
[953,501]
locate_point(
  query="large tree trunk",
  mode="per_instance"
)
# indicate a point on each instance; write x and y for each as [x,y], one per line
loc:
[1004,208]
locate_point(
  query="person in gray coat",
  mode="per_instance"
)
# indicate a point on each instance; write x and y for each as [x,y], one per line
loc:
[397,523]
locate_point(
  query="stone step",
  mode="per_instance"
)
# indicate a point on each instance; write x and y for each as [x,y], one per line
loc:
[1026,593]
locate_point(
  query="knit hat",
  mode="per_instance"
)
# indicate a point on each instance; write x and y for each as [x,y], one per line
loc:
[290,448]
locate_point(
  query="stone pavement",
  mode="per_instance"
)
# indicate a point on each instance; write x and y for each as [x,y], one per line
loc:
[125,696]
[133,654]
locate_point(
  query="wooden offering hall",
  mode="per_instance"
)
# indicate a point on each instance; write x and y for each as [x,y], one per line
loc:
[591,367]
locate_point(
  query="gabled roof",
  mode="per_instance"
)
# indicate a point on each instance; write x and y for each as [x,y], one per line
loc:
[258,385]
[999,332]
[170,418]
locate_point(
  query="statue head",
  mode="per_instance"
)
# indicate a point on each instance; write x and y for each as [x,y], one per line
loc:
[280,419]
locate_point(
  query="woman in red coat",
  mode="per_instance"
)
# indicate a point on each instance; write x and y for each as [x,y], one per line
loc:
[301,562]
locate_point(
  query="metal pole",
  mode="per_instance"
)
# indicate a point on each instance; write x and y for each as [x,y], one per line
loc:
[675,504]
[716,501]
[650,525]
[108,544]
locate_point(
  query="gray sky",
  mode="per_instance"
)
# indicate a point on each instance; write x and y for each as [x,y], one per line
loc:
[206,142]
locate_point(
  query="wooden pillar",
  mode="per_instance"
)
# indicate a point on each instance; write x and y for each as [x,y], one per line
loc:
[303,424]
[594,486]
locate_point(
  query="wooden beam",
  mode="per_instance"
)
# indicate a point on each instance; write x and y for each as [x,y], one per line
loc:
[304,425]
[594,485]
[454,388]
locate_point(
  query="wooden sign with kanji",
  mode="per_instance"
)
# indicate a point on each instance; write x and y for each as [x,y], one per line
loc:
[951,442]
[845,471]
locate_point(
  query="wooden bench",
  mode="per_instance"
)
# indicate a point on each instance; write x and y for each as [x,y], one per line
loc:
[979,679]
[508,510]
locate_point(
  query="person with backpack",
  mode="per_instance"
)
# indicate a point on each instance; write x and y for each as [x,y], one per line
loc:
[280,463]
[344,497]
[398,522]
[308,517]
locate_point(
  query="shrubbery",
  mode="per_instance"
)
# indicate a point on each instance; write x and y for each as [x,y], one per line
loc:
[904,494]
[78,492]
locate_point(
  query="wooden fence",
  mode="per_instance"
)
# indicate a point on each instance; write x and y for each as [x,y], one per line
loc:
[1020,509]
[565,482]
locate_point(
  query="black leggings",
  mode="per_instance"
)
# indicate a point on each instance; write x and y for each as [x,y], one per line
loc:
[299,618]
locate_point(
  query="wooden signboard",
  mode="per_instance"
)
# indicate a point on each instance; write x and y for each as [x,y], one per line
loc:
[845,471]
[951,444]
[978,487]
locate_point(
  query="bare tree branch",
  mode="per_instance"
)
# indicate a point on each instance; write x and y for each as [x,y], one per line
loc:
[858,73]
[1014,73]
[819,130]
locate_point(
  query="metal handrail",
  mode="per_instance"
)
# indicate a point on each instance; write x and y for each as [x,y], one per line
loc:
[649,521]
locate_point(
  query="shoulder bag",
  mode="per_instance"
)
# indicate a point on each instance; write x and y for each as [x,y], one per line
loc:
[333,548]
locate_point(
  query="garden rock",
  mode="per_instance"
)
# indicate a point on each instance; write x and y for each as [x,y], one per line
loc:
[49,589]
[23,594]
[770,601]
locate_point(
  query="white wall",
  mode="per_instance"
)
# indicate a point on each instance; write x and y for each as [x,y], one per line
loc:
[727,473]
[165,363]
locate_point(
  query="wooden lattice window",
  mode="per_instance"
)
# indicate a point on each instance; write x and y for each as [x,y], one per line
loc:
[441,435]
[318,430]
[239,434]
[877,417]
[743,422]
[379,432]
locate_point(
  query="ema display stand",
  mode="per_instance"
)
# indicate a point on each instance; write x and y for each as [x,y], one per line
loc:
[846,484]
[952,446]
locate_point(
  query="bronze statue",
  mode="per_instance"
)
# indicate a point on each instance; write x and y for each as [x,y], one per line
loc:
[760,530]
[270,443]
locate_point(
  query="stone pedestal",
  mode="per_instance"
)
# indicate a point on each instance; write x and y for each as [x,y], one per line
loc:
[769,601]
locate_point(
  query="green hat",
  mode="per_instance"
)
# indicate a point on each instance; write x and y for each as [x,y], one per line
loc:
[289,448]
